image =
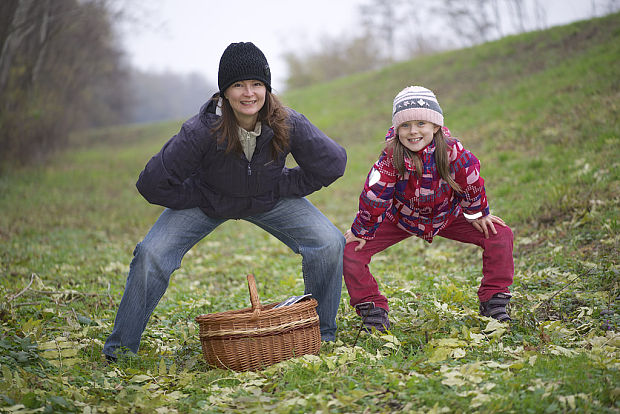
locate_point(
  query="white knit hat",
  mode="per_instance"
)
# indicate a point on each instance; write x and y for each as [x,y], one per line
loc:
[416,103]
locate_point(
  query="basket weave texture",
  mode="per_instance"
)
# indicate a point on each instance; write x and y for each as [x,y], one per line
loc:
[254,338]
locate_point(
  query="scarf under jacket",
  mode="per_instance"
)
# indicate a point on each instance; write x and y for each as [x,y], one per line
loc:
[421,204]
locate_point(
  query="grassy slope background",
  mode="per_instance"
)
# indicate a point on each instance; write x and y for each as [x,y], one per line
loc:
[541,112]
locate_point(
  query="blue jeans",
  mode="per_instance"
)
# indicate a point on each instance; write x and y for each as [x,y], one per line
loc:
[294,221]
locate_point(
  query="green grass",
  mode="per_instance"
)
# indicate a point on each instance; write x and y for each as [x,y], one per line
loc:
[541,112]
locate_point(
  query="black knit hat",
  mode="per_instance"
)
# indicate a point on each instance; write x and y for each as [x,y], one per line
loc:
[243,61]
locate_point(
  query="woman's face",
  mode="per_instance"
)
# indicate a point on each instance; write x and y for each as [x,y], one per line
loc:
[416,135]
[246,98]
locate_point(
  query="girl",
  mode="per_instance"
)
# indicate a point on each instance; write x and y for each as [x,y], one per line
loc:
[424,184]
[228,162]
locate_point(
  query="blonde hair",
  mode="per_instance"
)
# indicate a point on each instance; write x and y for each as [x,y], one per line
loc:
[400,152]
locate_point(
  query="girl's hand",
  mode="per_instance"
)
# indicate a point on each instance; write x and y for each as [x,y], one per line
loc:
[350,237]
[483,224]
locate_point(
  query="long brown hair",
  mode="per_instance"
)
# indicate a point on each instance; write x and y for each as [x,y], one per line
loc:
[400,152]
[273,114]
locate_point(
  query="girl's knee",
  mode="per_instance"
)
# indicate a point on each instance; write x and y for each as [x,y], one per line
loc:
[352,259]
[349,264]
[505,233]
[502,240]
[349,251]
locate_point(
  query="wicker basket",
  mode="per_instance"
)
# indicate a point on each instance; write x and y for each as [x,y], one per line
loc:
[254,338]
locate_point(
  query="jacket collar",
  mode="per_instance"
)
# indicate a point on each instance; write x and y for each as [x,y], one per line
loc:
[210,109]
[426,154]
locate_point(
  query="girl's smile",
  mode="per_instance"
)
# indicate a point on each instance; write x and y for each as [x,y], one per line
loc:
[416,135]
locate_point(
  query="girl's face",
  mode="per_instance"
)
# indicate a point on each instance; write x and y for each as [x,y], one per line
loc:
[416,135]
[246,98]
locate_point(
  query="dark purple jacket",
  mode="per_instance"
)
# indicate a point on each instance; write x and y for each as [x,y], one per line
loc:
[193,170]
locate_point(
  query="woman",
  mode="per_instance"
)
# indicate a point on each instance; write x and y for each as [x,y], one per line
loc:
[228,162]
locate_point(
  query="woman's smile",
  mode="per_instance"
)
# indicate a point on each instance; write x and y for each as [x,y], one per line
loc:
[246,98]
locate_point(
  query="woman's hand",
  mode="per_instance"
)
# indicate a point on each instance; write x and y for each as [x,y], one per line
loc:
[350,237]
[483,224]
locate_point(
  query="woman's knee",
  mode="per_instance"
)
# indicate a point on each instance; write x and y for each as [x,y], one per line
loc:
[156,254]
[325,246]
[334,243]
[336,239]
[330,239]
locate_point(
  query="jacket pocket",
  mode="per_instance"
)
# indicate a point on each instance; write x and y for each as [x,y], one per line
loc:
[268,175]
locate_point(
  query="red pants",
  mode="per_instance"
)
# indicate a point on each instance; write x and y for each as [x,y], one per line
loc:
[497,262]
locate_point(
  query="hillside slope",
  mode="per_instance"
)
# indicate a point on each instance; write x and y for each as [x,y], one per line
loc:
[539,109]
[541,112]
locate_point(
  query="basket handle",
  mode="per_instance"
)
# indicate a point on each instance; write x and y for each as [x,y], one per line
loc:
[254,297]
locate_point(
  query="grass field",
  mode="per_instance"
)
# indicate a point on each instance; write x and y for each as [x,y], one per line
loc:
[540,110]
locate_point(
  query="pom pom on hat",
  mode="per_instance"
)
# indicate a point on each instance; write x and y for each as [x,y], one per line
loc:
[243,61]
[416,103]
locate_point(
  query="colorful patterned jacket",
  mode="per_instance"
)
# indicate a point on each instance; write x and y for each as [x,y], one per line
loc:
[420,206]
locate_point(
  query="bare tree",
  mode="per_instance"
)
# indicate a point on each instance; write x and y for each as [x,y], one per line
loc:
[60,70]
[471,21]
[336,58]
[540,14]
[18,29]
[398,29]
[518,14]
[604,6]
[381,20]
